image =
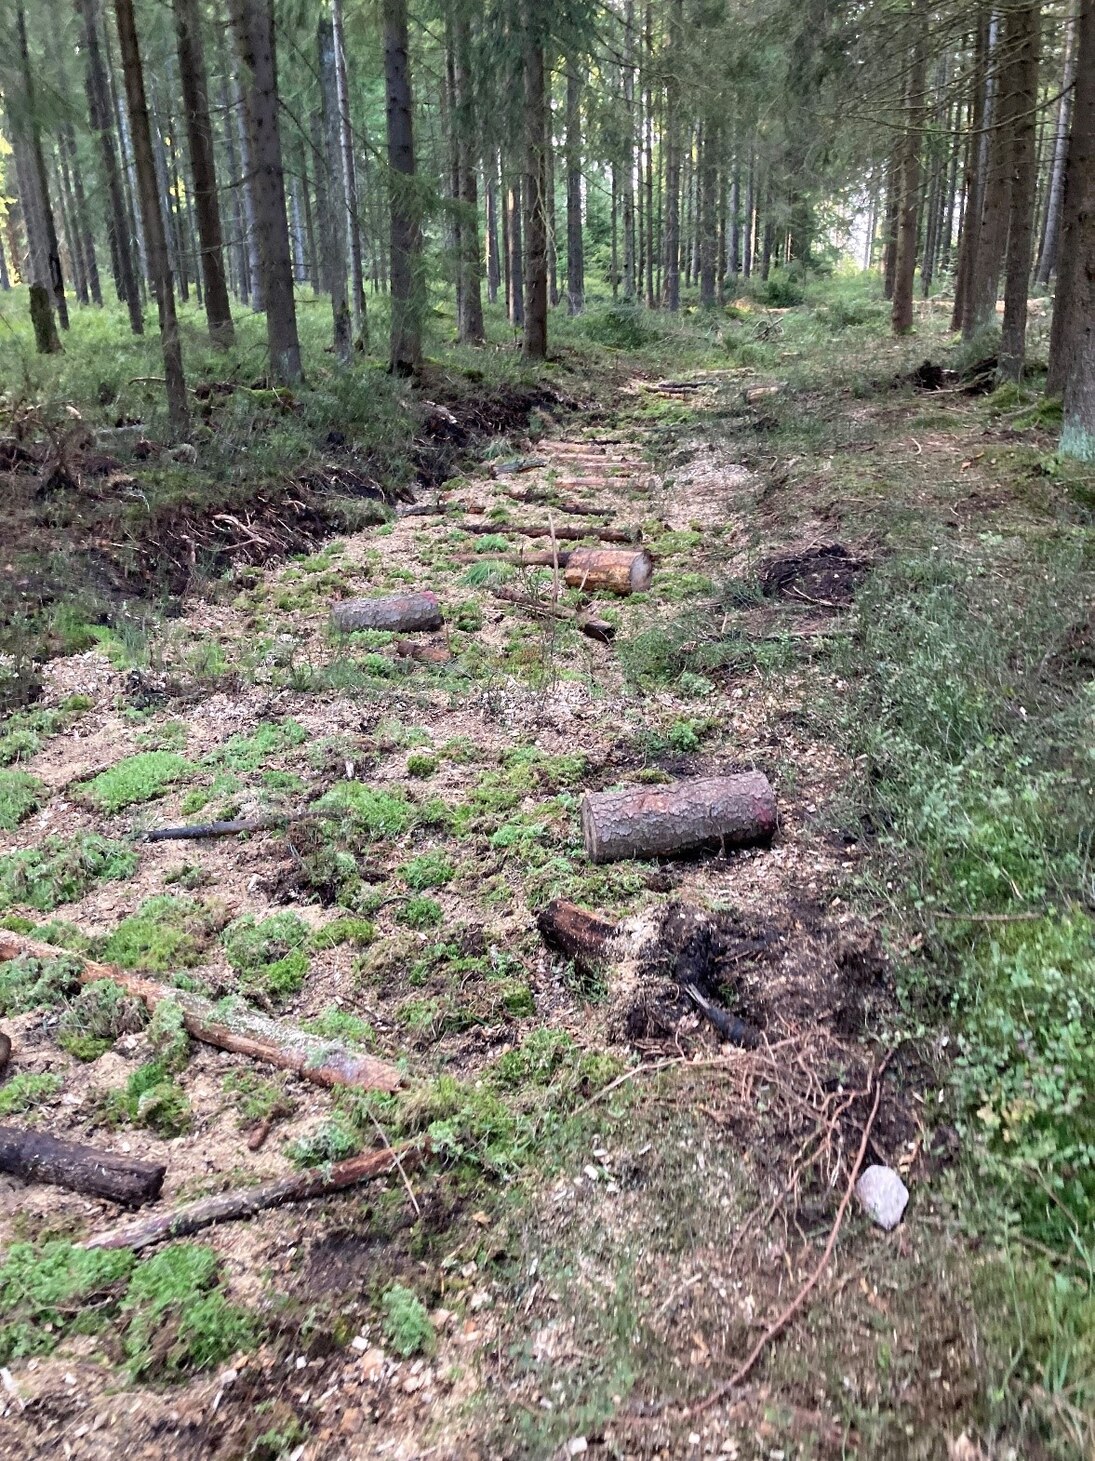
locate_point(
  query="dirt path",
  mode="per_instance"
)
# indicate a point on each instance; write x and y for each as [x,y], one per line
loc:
[684,1207]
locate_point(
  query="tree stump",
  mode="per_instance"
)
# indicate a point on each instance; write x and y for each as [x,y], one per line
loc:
[659,821]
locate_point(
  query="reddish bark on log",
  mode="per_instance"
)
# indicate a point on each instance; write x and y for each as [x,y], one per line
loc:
[662,820]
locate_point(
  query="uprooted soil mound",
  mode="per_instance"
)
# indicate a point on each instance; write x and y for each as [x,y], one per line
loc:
[825,577]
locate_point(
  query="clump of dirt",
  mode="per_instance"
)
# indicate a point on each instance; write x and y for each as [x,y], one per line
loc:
[826,577]
[977,379]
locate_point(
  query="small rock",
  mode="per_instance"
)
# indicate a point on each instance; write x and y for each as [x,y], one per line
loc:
[884,1196]
[577,1446]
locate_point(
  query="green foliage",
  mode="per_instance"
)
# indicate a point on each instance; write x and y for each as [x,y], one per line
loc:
[407,1327]
[26,1090]
[150,1098]
[136,779]
[168,1037]
[619,327]
[97,1016]
[377,814]
[340,1025]
[26,731]
[420,764]
[61,870]
[357,931]
[331,1140]
[48,1291]
[536,1060]
[257,1097]
[419,913]
[247,753]
[20,794]
[269,954]
[177,1293]
[167,932]
[428,870]
[28,983]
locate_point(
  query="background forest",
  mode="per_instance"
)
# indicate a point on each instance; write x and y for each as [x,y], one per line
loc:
[792,303]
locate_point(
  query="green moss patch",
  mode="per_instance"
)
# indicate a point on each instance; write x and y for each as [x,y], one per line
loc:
[247,753]
[27,1090]
[269,955]
[150,1098]
[20,794]
[102,1011]
[28,983]
[61,870]
[167,932]
[138,778]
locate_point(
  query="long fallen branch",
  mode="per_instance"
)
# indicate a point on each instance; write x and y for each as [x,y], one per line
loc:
[564,532]
[598,629]
[240,824]
[241,1030]
[245,1202]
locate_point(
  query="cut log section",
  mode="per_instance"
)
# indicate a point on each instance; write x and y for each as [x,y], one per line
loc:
[401,613]
[563,531]
[662,820]
[241,1030]
[244,1202]
[582,936]
[426,654]
[36,1157]
[613,569]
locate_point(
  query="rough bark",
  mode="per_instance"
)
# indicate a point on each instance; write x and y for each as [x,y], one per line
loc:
[575,932]
[1021,34]
[992,240]
[659,821]
[515,258]
[976,156]
[1073,348]
[469,324]
[44,323]
[672,284]
[45,253]
[708,222]
[156,240]
[241,1030]
[398,612]
[253,22]
[349,172]
[405,355]
[494,267]
[617,570]
[334,238]
[244,1202]
[576,281]
[536,183]
[563,532]
[33,1156]
[909,186]
[199,136]
[246,190]
[1047,254]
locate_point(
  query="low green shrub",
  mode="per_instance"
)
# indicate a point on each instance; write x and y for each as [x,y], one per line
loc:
[100,1013]
[407,1327]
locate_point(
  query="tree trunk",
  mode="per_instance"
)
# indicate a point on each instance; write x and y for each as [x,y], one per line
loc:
[199,136]
[1047,256]
[311,246]
[48,262]
[5,280]
[536,261]
[238,193]
[648,143]
[656,822]
[407,283]
[141,132]
[672,284]
[909,177]
[470,329]
[349,169]
[578,934]
[993,237]
[334,237]
[253,21]
[976,164]
[893,209]
[708,222]
[627,161]
[1072,347]
[402,613]
[35,1157]
[576,282]
[1021,37]
[248,184]
[494,269]
[42,319]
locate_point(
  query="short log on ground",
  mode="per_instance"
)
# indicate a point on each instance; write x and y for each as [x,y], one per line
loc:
[399,613]
[580,935]
[244,1202]
[616,570]
[662,820]
[241,1030]
[425,654]
[562,531]
[36,1157]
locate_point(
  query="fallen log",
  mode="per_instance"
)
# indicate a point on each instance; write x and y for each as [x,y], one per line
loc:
[35,1157]
[548,499]
[563,531]
[241,1030]
[613,569]
[427,654]
[661,820]
[5,1050]
[245,1202]
[198,830]
[405,612]
[580,935]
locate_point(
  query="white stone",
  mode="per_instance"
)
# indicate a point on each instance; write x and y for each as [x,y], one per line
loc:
[883,1195]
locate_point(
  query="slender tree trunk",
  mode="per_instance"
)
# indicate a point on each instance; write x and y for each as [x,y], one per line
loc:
[1051,231]
[248,186]
[536,182]
[239,193]
[253,21]
[5,280]
[72,236]
[549,193]
[54,280]
[750,207]
[614,265]
[1021,36]
[628,159]
[576,274]
[470,329]
[905,262]
[893,210]
[708,222]
[349,167]
[993,236]
[648,143]
[119,111]
[323,175]
[494,270]
[199,136]
[141,132]
[1072,339]
[976,166]
[406,340]
[334,238]
[673,158]
[37,273]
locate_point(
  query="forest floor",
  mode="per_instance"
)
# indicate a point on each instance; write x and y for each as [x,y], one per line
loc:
[615,1206]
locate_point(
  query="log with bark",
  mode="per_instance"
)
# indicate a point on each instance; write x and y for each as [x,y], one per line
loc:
[245,1202]
[241,1030]
[615,570]
[5,1050]
[35,1157]
[426,654]
[562,531]
[659,821]
[572,509]
[582,936]
[402,613]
